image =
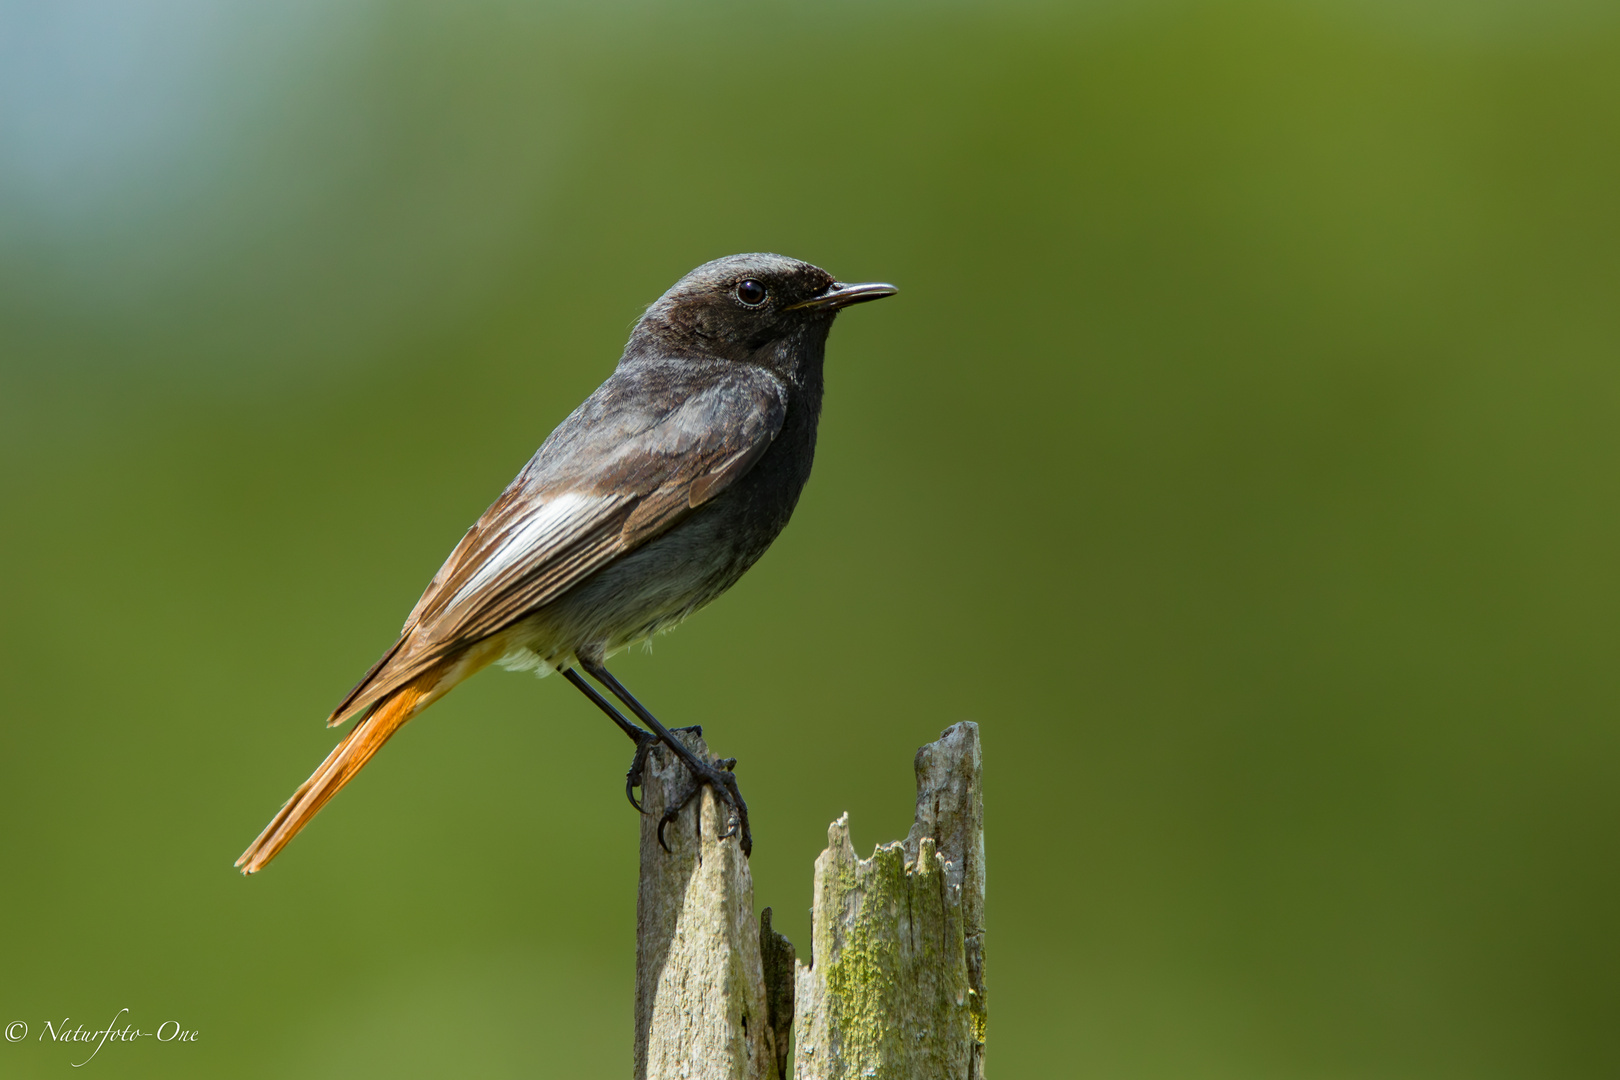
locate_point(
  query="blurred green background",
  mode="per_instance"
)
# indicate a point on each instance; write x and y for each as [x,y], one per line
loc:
[1241,453]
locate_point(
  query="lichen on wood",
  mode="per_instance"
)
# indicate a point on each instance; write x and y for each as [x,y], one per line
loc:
[895,988]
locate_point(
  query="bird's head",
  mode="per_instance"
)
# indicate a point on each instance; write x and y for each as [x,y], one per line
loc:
[759,308]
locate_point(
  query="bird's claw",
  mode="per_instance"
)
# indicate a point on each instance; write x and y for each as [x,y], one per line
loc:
[638,767]
[723,780]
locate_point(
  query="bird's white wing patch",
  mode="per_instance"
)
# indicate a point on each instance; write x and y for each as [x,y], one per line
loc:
[558,522]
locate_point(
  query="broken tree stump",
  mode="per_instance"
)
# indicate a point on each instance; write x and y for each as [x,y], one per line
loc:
[895,989]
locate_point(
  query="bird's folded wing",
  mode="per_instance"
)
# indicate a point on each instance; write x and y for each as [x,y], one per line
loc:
[611,478]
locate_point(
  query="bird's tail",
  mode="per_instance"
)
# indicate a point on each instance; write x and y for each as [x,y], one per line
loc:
[340,766]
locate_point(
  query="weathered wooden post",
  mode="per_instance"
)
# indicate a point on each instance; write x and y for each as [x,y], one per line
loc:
[701,1011]
[895,989]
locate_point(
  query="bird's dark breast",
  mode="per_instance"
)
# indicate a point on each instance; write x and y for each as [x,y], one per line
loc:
[750,515]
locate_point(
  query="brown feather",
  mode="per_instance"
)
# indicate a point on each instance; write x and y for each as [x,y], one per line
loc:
[340,766]
[498,607]
[343,711]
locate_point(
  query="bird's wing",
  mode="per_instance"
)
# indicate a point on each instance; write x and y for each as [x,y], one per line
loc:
[626,466]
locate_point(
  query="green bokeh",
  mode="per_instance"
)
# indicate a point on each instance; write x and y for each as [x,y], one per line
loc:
[1241,453]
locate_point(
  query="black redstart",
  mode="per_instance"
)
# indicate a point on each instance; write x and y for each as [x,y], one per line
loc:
[649,501]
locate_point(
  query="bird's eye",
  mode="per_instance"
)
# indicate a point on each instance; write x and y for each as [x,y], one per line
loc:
[751,293]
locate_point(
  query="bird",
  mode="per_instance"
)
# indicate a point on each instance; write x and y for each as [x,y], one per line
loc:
[651,499]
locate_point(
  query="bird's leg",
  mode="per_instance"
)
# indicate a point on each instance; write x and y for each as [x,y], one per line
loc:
[644,740]
[717,775]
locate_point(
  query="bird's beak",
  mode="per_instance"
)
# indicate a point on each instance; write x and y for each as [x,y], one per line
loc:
[839,295]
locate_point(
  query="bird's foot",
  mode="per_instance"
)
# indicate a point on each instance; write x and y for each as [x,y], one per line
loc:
[720,776]
[645,741]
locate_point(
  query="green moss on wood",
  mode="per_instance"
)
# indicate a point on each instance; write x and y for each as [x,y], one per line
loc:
[896,982]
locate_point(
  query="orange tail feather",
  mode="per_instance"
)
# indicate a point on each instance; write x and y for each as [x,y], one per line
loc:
[339,768]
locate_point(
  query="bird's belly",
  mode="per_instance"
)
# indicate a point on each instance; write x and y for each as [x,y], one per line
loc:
[640,594]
